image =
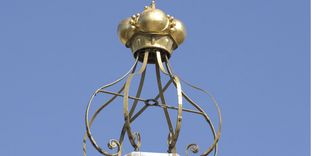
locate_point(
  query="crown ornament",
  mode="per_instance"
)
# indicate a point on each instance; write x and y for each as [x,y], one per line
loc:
[152,30]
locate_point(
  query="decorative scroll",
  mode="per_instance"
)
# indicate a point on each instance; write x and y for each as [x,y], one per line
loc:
[113,143]
[194,148]
[214,145]
[131,137]
[157,101]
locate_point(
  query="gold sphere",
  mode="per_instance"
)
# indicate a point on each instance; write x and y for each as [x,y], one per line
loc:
[178,32]
[125,30]
[153,20]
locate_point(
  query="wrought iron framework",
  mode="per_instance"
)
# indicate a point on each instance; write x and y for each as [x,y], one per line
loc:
[161,66]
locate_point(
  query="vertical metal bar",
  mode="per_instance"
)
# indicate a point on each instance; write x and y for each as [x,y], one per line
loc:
[140,87]
[167,115]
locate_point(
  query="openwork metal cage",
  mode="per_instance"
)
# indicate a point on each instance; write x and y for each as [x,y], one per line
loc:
[152,45]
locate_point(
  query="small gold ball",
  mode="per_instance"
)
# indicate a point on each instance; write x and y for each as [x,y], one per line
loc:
[153,20]
[171,18]
[125,30]
[179,32]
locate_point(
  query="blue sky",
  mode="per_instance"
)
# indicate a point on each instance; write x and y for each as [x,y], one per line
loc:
[252,55]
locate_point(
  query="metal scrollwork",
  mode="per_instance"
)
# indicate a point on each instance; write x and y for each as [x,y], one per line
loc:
[152,36]
[113,143]
[194,148]
[176,82]
[217,134]
[158,101]
[127,119]
[137,138]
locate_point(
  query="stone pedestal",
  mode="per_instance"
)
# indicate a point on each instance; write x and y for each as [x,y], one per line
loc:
[151,154]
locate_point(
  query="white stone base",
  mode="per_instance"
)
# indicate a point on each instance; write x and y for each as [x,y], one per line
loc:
[151,154]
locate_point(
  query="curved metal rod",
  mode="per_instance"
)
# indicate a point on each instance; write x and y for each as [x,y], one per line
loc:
[113,143]
[121,95]
[132,119]
[176,108]
[166,113]
[207,118]
[95,115]
[137,98]
[167,106]
[159,61]
[132,69]
[138,93]
[194,148]
[179,113]
[164,89]
[174,137]
[216,136]
[125,104]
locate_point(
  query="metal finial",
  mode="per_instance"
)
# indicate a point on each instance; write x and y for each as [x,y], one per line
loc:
[153,4]
[152,36]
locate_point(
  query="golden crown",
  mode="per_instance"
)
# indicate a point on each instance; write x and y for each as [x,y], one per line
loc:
[151,30]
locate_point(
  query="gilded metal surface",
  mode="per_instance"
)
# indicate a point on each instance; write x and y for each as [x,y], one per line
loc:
[135,143]
[152,35]
[216,135]
[129,116]
[194,148]
[214,145]
[151,29]
[113,143]
[125,30]
[142,41]
[152,20]
[159,61]
[167,115]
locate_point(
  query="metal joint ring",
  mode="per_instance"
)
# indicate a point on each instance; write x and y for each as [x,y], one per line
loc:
[152,102]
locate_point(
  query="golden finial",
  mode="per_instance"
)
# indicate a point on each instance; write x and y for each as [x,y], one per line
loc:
[152,36]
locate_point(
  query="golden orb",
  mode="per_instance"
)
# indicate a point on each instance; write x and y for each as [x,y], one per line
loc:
[153,20]
[178,32]
[125,30]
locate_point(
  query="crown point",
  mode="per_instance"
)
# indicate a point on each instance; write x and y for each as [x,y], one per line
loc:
[153,4]
[171,18]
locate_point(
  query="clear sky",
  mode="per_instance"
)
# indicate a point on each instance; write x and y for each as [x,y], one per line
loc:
[252,55]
